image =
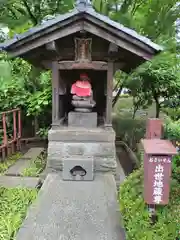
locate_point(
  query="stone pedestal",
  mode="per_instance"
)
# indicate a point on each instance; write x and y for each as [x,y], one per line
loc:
[82,119]
[98,143]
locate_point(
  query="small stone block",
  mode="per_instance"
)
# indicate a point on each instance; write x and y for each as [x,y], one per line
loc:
[78,169]
[82,119]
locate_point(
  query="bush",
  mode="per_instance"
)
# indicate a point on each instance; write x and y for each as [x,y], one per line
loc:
[172,132]
[130,131]
[136,217]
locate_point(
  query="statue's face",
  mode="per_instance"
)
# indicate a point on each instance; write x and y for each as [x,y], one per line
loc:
[84,79]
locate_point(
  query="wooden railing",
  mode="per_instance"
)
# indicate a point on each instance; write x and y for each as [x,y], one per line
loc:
[10,132]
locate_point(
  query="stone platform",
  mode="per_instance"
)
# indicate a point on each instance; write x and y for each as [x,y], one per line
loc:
[74,211]
[82,119]
[97,143]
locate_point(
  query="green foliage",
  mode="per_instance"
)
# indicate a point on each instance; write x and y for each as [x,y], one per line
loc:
[36,167]
[13,207]
[129,131]
[135,213]
[176,167]
[172,107]
[172,130]
[154,80]
[8,162]
[37,102]
[25,87]
[43,133]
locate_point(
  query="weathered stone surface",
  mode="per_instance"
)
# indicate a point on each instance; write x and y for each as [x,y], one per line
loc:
[96,143]
[62,149]
[11,182]
[82,119]
[103,164]
[70,134]
[33,153]
[74,210]
[85,162]
[18,167]
[23,163]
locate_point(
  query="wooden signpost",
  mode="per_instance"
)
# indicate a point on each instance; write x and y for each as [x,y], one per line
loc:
[158,155]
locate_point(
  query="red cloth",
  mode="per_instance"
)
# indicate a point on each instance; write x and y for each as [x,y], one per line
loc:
[81,88]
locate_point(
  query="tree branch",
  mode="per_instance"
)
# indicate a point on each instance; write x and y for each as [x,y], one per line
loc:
[12,12]
[33,18]
[117,95]
[135,7]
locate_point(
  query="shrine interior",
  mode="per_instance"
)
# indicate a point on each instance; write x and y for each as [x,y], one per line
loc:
[98,80]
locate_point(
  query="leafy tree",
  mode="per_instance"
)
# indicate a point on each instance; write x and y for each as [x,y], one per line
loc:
[18,12]
[158,79]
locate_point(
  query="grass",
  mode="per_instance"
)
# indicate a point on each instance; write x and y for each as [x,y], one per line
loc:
[36,167]
[13,207]
[9,162]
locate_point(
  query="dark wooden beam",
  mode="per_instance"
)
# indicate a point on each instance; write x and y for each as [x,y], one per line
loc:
[118,66]
[67,65]
[110,75]
[120,34]
[52,46]
[118,41]
[96,65]
[55,92]
[43,40]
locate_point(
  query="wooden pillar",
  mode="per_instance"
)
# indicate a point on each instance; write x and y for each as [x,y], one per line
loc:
[55,92]
[110,75]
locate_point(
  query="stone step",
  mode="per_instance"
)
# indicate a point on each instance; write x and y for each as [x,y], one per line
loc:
[25,182]
[24,162]
[74,210]
[33,153]
[18,168]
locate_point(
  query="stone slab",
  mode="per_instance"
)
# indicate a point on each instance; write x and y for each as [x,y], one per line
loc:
[80,134]
[74,211]
[24,162]
[33,153]
[18,168]
[102,164]
[64,149]
[82,119]
[25,182]
[78,162]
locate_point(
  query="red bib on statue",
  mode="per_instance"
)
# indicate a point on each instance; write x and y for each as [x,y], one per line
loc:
[81,89]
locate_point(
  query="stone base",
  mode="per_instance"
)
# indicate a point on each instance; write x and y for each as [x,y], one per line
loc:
[82,119]
[96,143]
[74,210]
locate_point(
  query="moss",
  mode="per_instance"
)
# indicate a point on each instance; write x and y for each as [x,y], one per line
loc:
[36,167]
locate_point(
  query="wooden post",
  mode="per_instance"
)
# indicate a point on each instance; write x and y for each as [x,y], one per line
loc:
[55,92]
[110,74]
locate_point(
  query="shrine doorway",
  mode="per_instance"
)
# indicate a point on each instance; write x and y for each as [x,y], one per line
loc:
[98,80]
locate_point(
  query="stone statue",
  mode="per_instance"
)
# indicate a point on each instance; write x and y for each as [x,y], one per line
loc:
[82,94]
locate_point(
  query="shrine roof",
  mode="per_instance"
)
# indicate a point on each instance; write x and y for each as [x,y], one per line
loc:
[81,12]
[82,18]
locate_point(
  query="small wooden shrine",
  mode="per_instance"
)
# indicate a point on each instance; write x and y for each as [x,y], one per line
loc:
[83,49]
